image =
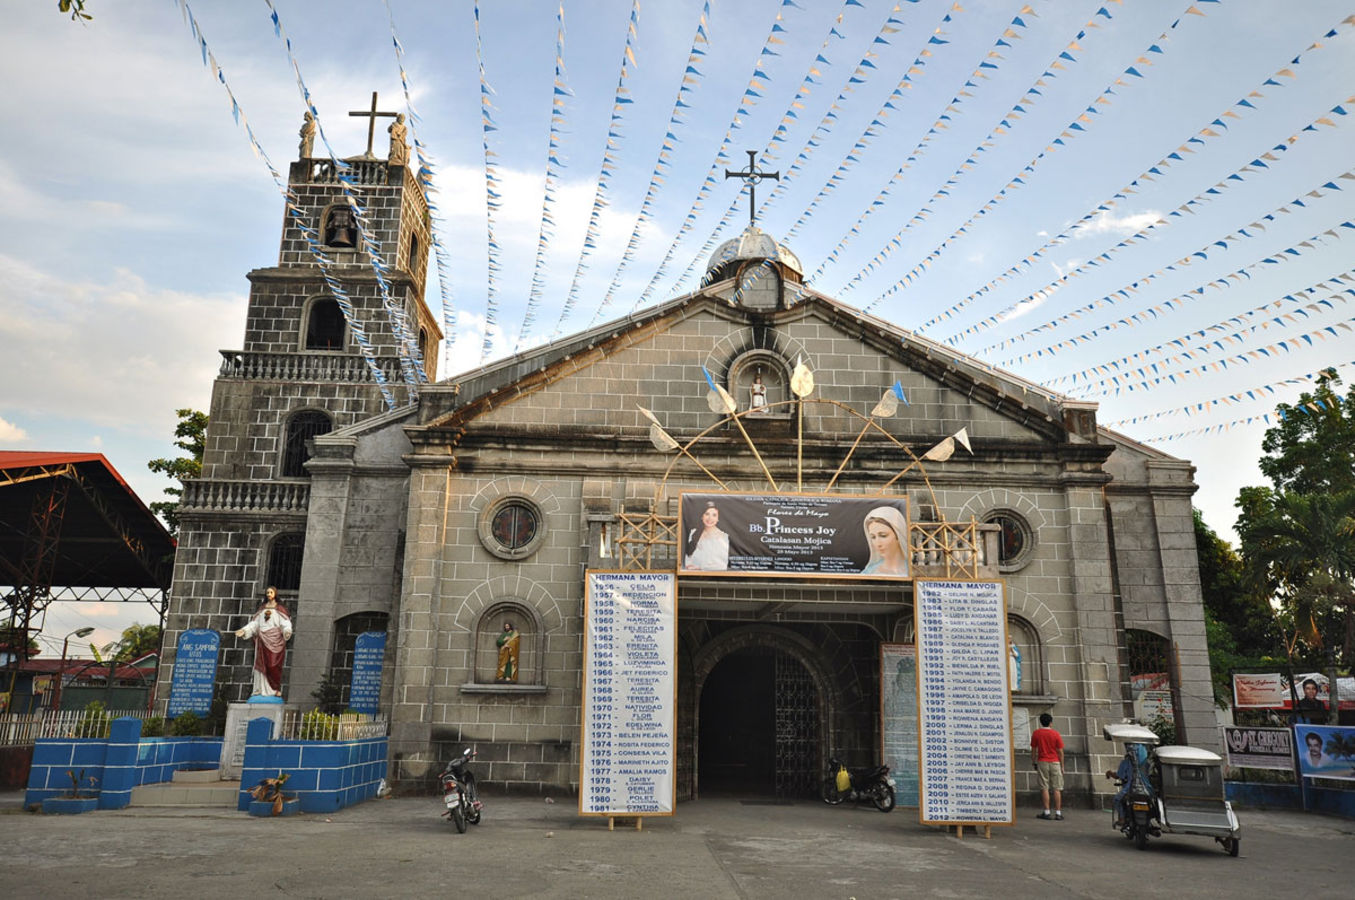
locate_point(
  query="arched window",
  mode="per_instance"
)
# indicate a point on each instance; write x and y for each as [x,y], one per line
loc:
[341,228]
[1152,677]
[346,632]
[284,562]
[1028,657]
[301,428]
[325,326]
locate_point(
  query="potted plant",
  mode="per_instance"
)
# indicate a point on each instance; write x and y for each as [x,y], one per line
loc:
[75,801]
[271,800]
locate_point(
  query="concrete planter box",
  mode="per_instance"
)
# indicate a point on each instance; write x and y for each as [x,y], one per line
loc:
[69,806]
[264,808]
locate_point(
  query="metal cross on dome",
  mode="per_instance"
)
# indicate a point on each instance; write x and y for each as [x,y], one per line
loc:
[751,176]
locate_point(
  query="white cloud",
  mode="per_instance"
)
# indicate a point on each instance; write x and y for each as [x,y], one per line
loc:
[118,355]
[1109,223]
[11,433]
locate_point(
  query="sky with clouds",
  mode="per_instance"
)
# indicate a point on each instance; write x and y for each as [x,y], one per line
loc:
[1052,186]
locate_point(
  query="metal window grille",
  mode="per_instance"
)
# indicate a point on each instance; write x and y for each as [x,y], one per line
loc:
[325,326]
[301,428]
[284,562]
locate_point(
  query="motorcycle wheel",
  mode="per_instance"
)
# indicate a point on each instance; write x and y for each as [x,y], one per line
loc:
[831,795]
[884,798]
[473,816]
[1232,845]
[459,819]
[1140,838]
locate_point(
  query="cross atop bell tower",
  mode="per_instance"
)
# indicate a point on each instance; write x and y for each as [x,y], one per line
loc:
[371,115]
[751,177]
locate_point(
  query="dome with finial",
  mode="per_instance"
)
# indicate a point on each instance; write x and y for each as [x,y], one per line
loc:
[752,244]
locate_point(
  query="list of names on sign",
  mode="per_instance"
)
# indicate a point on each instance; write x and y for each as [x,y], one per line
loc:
[194,672]
[364,692]
[629,680]
[965,747]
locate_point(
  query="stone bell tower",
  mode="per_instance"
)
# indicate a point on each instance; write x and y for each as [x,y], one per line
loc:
[318,329]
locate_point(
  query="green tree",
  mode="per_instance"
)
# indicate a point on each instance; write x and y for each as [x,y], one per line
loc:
[1230,599]
[1298,534]
[137,641]
[191,435]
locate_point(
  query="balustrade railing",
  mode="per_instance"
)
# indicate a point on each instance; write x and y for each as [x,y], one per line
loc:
[273,496]
[325,367]
[373,171]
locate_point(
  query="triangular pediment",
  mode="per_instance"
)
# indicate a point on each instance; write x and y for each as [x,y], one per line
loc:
[591,386]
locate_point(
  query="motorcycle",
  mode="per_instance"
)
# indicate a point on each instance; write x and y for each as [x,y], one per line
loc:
[458,792]
[873,784]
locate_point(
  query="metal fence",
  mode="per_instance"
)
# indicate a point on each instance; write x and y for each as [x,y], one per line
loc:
[317,726]
[23,730]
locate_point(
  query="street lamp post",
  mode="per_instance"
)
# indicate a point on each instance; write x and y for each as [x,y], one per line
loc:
[61,672]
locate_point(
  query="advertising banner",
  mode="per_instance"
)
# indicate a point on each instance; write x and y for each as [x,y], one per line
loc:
[1325,751]
[1263,691]
[793,535]
[1259,748]
[965,749]
[627,764]
[898,717]
[194,672]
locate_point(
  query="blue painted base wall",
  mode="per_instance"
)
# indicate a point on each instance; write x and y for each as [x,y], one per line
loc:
[324,775]
[1287,796]
[114,765]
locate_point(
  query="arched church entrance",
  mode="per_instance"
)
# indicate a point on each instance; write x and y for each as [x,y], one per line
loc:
[759,720]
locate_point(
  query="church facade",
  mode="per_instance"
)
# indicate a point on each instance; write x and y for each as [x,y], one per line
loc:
[487,499]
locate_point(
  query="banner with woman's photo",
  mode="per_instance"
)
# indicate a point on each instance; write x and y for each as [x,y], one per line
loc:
[793,535]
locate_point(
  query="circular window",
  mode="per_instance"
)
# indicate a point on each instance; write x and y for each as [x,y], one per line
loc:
[512,528]
[1014,544]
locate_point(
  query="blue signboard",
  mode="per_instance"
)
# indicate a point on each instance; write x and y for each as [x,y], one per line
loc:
[364,695]
[194,672]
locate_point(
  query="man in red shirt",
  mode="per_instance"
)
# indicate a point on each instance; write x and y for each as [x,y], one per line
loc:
[1046,745]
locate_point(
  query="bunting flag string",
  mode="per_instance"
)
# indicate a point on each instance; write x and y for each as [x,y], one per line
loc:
[1059,63]
[1128,384]
[1282,413]
[751,94]
[493,196]
[620,100]
[860,75]
[1043,294]
[411,365]
[1135,286]
[426,176]
[908,82]
[1262,393]
[691,79]
[546,232]
[891,26]
[293,208]
[1178,347]
[1235,112]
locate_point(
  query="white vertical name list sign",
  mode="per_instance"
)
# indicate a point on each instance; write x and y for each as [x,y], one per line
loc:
[629,695]
[965,740]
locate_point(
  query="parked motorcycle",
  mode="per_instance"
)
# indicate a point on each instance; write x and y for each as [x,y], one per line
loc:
[458,792]
[874,784]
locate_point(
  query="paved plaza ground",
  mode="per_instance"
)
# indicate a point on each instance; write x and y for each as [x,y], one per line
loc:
[720,848]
